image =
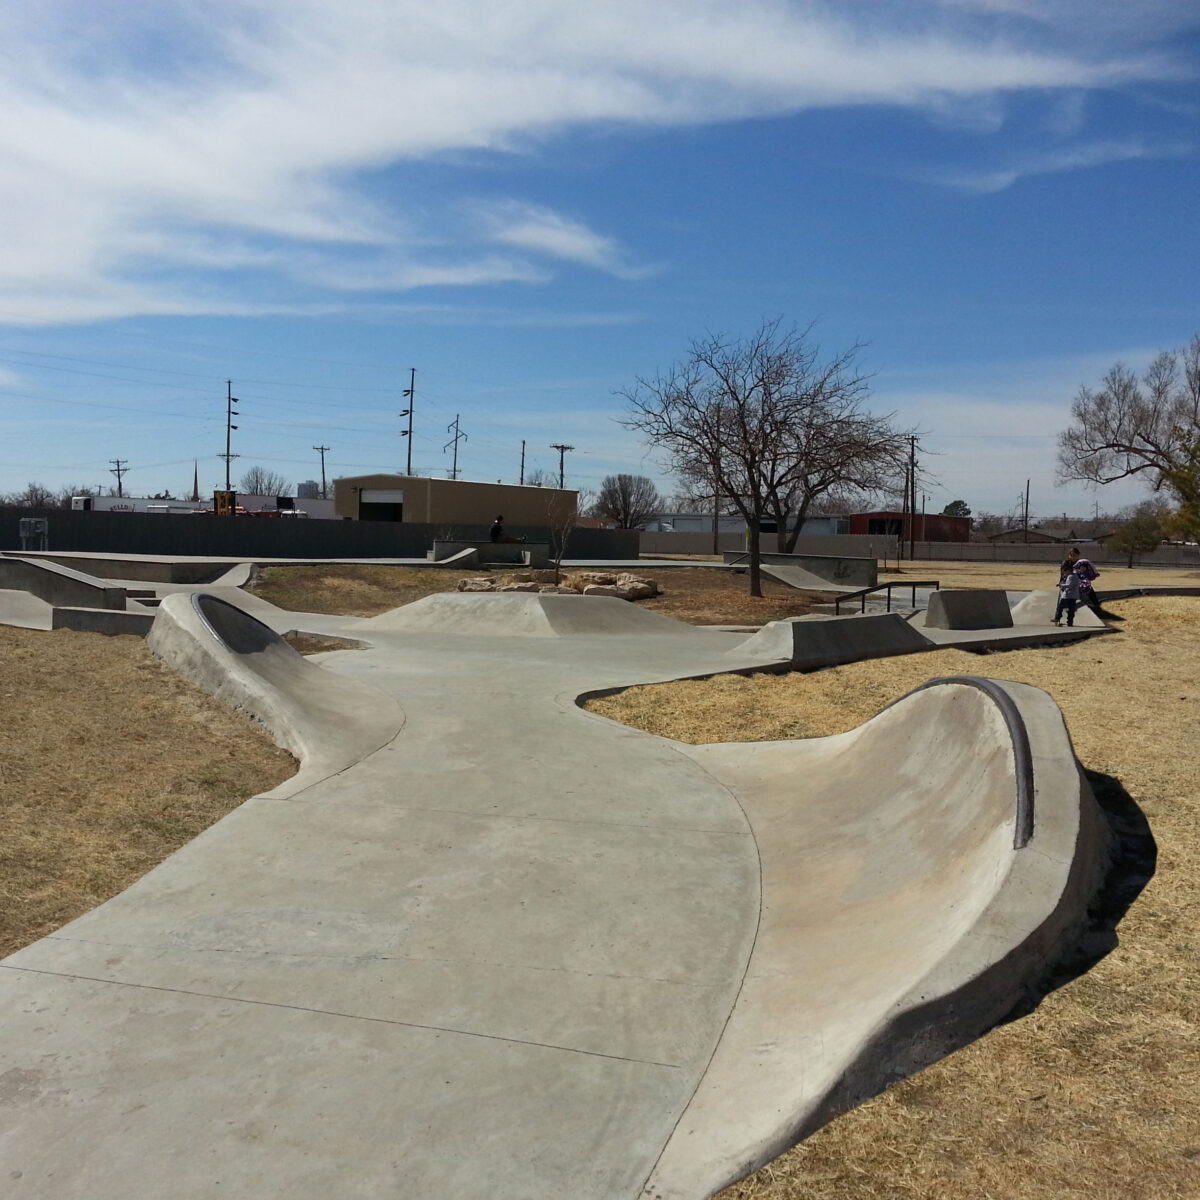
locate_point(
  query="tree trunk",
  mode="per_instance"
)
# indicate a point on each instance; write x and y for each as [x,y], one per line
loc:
[755,554]
[789,533]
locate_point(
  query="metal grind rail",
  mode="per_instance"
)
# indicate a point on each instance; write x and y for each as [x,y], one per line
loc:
[863,593]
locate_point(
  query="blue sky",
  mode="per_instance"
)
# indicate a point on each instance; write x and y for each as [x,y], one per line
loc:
[532,203]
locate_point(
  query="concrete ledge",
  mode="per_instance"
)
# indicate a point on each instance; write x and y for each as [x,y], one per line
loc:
[103,620]
[810,645]
[58,584]
[966,609]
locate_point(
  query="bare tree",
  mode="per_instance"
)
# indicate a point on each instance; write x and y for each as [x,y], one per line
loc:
[563,516]
[258,481]
[540,477]
[35,495]
[771,424]
[1148,427]
[627,500]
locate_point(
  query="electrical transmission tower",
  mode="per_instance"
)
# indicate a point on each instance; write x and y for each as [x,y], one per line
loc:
[459,436]
[562,451]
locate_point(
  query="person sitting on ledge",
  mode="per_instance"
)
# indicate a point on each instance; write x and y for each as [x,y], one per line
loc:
[498,534]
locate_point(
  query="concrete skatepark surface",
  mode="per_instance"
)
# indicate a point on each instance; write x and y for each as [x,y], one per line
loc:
[488,944]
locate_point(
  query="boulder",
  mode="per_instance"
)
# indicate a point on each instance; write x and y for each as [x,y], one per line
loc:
[519,587]
[638,589]
[475,585]
[600,589]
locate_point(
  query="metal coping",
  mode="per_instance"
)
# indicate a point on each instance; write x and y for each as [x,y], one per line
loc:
[1022,752]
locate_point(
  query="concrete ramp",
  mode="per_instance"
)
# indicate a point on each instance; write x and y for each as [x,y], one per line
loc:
[811,644]
[526,615]
[326,721]
[968,608]
[798,577]
[1038,609]
[910,893]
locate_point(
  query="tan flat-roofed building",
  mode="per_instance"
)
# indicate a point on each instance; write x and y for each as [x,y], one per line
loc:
[415,499]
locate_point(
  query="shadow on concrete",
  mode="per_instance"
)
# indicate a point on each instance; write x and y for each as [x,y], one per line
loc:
[1134,859]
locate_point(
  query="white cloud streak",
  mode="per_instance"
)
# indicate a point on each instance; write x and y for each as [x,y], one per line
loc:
[145,153]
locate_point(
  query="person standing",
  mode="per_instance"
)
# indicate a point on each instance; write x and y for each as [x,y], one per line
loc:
[1082,567]
[1070,587]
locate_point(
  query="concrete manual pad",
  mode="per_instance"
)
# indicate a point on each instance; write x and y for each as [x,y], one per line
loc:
[489,945]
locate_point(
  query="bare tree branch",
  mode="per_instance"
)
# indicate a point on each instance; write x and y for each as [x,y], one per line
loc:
[768,424]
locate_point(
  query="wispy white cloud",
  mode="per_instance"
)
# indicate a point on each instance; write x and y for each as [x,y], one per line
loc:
[1056,160]
[138,136]
[541,231]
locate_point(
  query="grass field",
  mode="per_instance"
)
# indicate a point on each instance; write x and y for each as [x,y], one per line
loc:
[109,761]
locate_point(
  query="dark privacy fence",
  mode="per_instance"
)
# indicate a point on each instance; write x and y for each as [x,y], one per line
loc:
[263,537]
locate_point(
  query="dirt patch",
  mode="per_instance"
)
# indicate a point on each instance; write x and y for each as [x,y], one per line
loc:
[353,589]
[699,595]
[1096,1094]
[311,643]
[109,761]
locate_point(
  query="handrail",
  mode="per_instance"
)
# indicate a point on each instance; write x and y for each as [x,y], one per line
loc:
[1022,752]
[863,593]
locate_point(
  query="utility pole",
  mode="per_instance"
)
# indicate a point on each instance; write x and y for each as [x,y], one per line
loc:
[1026,524]
[120,466]
[458,436]
[410,394]
[321,451]
[912,474]
[562,451]
[230,413]
[522,462]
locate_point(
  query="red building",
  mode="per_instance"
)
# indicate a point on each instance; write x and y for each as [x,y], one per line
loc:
[927,527]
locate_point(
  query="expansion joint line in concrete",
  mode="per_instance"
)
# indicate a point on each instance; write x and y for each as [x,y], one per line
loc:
[387,958]
[758,916]
[343,1016]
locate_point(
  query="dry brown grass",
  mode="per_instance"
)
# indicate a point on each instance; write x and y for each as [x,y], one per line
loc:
[1096,1095]
[109,761]
[1022,577]
[701,595]
[353,589]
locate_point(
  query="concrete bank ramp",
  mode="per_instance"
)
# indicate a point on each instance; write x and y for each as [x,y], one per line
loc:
[811,644]
[1038,609]
[327,721]
[527,614]
[798,577]
[918,874]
